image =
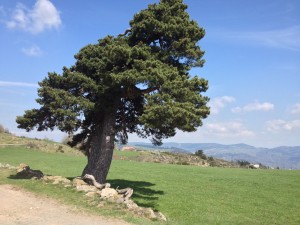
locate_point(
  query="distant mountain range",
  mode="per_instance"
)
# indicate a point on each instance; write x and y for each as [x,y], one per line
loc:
[283,157]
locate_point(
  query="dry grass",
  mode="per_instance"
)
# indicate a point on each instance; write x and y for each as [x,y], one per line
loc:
[43,145]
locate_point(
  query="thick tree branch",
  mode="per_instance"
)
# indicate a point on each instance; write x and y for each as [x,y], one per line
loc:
[133,92]
[149,90]
[126,32]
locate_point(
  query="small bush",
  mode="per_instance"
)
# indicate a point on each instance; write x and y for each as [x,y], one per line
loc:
[185,163]
[210,159]
[243,163]
[201,154]
[60,149]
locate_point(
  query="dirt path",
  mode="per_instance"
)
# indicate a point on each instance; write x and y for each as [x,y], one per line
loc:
[24,208]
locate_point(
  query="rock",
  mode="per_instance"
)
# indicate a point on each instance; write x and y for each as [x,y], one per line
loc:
[120,200]
[7,166]
[21,167]
[78,181]
[57,180]
[101,204]
[161,216]
[86,188]
[91,194]
[149,213]
[107,193]
[117,196]
[131,205]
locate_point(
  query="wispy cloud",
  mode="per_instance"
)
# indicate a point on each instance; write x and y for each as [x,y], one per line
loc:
[229,129]
[2,12]
[17,84]
[42,16]
[286,38]
[295,108]
[256,106]
[32,51]
[282,125]
[217,104]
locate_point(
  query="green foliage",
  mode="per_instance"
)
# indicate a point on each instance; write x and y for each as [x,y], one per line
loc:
[201,154]
[243,163]
[141,77]
[210,159]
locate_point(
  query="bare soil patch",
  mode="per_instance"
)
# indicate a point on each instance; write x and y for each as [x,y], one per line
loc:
[23,208]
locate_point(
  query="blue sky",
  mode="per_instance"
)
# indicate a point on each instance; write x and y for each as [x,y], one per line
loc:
[252,61]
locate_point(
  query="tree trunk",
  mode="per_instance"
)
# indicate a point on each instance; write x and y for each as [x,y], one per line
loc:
[102,146]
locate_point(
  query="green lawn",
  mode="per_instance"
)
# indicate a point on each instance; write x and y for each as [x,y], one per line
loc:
[186,194]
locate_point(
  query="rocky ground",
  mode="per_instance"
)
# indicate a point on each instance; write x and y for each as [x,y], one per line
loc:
[103,192]
[22,208]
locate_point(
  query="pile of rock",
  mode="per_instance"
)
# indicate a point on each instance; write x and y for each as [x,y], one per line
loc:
[103,191]
[117,196]
[7,166]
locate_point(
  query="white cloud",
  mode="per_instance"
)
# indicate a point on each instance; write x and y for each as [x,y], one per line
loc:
[256,106]
[17,84]
[295,108]
[32,51]
[229,129]
[282,125]
[42,16]
[285,38]
[217,104]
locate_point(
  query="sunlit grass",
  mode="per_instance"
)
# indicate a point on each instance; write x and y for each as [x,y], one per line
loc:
[185,194]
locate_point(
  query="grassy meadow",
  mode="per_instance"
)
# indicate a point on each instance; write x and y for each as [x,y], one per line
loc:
[185,194]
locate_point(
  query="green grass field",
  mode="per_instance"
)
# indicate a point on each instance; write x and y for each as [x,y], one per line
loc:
[185,194]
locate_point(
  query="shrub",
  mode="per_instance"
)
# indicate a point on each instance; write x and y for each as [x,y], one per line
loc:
[60,149]
[243,163]
[210,158]
[201,154]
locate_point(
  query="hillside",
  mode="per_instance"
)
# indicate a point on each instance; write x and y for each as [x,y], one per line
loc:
[141,154]
[45,145]
[282,157]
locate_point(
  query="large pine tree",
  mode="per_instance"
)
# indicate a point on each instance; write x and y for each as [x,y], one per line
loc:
[137,82]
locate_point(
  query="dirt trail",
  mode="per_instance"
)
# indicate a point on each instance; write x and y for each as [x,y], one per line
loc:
[24,208]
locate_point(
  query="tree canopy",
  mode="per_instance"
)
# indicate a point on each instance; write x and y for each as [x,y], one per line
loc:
[136,82]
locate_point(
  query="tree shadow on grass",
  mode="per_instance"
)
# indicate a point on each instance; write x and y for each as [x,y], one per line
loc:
[143,195]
